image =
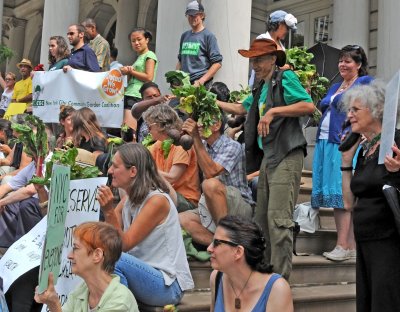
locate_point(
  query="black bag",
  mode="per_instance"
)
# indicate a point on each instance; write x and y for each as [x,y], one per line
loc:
[392,197]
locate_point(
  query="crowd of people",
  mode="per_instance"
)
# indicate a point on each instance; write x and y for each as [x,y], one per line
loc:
[232,197]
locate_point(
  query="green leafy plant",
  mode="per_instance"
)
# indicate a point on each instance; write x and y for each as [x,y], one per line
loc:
[316,85]
[35,143]
[148,141]
[5,53]
[238,96]
[177,78]
[67,158]
[166,147]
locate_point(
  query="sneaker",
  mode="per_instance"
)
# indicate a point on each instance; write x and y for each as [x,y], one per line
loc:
[325,253]
[352,253]
[338,254]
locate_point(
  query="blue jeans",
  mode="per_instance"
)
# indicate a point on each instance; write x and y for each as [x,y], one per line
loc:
[146,283]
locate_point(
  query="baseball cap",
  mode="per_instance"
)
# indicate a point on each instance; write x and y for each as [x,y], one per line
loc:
[194,8]
[282,16]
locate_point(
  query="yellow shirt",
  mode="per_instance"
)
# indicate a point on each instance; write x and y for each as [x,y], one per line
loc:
[22,88]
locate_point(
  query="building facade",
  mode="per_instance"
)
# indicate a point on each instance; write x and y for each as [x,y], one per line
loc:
[27,25]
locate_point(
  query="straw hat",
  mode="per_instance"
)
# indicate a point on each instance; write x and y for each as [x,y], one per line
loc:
[25,62]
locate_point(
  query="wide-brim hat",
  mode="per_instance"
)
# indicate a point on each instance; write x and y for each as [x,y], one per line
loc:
[25,62]
[260,47]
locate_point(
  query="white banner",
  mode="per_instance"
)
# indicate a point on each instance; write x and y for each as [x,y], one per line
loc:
[25,253]
[101,92]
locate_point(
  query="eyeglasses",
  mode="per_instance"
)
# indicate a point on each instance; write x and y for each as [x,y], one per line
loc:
[71,33]
[8,79]
[151,125]
[354,110]
[216,242]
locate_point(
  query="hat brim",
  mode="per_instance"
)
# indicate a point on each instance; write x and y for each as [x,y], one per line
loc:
[280,55]
[24,64]
[193,12]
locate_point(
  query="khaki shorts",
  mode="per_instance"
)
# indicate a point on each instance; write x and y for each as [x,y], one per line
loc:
[237,206]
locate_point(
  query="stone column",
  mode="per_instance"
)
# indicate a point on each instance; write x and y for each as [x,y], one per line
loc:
[57,17]
[127,15]
[350,23]
[388,61]
[229,20]
[1,19]
[16,41]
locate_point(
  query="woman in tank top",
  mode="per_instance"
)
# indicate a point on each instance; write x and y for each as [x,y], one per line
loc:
[154,264]
[241,280]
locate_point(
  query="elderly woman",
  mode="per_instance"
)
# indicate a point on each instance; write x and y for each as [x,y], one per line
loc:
[327,178]
[97,246]
[246,282]
[378,242]
[154,266]
[176,165]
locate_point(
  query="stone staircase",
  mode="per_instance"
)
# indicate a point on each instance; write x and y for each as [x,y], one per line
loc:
[318,285]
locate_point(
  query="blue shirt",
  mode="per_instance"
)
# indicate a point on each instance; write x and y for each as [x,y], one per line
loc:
[337,116]
[84,59]
[230,155]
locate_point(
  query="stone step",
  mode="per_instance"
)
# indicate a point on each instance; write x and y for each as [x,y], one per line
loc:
[316,243]
[326,298]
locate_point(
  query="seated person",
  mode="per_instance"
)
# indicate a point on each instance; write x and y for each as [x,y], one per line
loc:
[86,133]
[237,258]
[65,118]
[16,158]
[96,248]
[154,266]
[179,168]
[225,189]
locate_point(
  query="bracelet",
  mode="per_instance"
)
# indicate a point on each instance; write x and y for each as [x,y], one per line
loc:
[346,168]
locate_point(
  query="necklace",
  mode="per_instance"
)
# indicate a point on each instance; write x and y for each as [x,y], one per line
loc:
[344,85]
[238,303]
[368,145]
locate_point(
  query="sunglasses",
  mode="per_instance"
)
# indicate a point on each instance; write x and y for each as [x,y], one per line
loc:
[71,33]
[216,242]
[351,48]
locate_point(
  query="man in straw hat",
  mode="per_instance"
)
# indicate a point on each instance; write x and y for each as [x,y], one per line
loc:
[23,88]
[281,139]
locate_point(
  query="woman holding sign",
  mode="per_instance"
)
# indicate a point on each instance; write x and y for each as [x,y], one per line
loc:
[378,241]
[155,266]
[97,246]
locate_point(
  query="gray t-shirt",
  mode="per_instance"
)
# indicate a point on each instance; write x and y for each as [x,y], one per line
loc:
[197,52]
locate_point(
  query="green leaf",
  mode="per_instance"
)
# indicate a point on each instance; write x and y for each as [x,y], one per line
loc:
[166,147]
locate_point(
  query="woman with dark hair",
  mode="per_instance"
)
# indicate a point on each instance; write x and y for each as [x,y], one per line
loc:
[155,266]
[96,248]
[87,133]
[65,118]
[58,52]
[143,70]
[327,177]
[246,282]
[7,84]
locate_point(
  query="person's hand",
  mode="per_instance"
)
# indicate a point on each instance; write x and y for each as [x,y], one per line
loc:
[66,68]
[5,149]
[392,163]
[191,128]
[231,132]
[167,97]
[198,83]
[105,198]
[127,70]
[265,121]
[49,296]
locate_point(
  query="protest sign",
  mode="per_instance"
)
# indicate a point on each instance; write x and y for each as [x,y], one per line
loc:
[57,212]
[101,92]
[389,117]
[23,255]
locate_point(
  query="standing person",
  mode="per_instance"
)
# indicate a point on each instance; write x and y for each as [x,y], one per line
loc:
[198,49]
[58,52]
[143,70]
[8,89]
[376,235]
[281,138]
[98,44]
[113,58]
[241,279]
[23,88]
[155,266]
[82,56]
[96,248]
[327,178]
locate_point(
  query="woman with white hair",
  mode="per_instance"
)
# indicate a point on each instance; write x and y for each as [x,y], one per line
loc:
[378,241]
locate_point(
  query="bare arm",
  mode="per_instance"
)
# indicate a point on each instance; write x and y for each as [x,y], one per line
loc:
[148,75]
[232,108]
[153,213]
[281,297]
[209,167]
[178,66]
[175,173]
[140,107]
[209,74]
[212,286]
[18,195]
[2,82]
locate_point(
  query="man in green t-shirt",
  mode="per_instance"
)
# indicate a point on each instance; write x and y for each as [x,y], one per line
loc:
[281,139]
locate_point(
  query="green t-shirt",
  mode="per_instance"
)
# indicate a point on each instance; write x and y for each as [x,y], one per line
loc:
[134,84]
[293,92]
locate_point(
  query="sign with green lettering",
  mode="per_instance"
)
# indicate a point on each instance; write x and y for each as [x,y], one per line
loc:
[56,215]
